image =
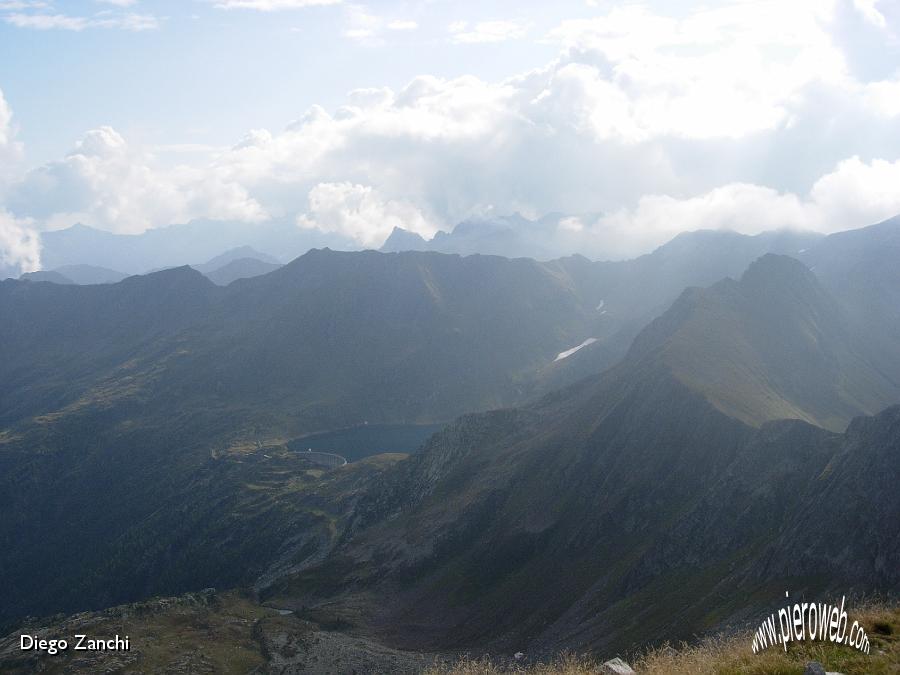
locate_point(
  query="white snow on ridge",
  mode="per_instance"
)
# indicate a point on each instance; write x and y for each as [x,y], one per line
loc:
[569,352]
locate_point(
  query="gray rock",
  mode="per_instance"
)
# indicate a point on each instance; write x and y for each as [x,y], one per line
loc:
[616,666]
[814,668]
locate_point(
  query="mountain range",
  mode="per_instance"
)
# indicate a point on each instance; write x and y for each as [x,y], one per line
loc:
[634,450]
[547,238]
[242,262]
[635,505]
[175,245]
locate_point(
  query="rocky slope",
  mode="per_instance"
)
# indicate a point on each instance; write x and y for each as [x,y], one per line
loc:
[637,505]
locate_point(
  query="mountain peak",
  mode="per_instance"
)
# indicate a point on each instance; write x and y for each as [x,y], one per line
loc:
[403,240]
[773,266]
[772,345]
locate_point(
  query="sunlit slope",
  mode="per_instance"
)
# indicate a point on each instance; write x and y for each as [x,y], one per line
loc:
[773,345]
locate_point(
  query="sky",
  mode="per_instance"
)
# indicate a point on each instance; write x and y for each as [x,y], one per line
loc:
[636,120]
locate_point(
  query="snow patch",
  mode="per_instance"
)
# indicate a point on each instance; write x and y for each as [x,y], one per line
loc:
[569,352]
[601,305]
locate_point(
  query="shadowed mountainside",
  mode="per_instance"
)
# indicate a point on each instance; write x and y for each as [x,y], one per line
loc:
[630,507]
[122,406]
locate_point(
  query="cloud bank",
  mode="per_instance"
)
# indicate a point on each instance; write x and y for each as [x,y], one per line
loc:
[748,115]
[20,247]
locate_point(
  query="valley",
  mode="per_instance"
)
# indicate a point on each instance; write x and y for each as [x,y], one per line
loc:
[596,502]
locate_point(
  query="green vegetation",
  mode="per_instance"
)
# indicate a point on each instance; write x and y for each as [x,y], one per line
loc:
[144,429]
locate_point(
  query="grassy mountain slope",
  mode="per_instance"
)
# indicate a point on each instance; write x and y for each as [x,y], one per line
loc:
[131,412]
[122,405]
[774,345]
[631,507]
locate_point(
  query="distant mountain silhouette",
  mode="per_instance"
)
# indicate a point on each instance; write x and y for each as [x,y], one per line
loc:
[238,253]
[241,268]
[177,244]
[88,274]
[51,276]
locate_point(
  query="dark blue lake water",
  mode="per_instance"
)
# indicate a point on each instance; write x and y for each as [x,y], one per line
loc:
[366,440]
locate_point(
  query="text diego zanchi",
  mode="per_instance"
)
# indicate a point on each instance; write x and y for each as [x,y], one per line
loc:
[78,643]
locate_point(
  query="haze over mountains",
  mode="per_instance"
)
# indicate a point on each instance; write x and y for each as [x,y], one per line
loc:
[512,236]
[552,236]
[644,503]
[242,262]
[183,244]
[600,501]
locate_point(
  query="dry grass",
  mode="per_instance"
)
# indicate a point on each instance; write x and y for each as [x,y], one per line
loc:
[564,665]
[732,655]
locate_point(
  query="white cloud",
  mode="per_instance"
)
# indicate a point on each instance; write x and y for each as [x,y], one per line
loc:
[402,24]
[12,5]
[883,97]
[119,3]
[857,193]
[360,213]
[368,28]
[271,5]
[853,195]
[869,10]
[717,73]
[130,22]
[11,151]
[724,117]
[20,247]
[105,183]
[487,31]
[657,218]
[6,132]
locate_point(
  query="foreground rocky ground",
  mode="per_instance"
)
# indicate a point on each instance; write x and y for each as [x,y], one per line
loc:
[210,632]
[205,632]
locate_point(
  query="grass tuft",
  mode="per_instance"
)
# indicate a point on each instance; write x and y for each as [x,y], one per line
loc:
[729,655]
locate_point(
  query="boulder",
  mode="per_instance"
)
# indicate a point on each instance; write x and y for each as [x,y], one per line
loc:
[616,666]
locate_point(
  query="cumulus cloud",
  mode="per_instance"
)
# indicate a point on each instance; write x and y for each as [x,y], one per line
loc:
[402,24]
[10,5]
[359,212]
[372,29]
[130,22]
[853,195]
[6,132]
[870,11]
[717,118]
[105,183]
[270,5]
[487,31]
[717,73]
[20,249]
[10,149]
[883,97]
[857,193]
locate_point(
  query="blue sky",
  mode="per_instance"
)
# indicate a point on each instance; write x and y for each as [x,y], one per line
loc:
[637,120]
[207,75]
